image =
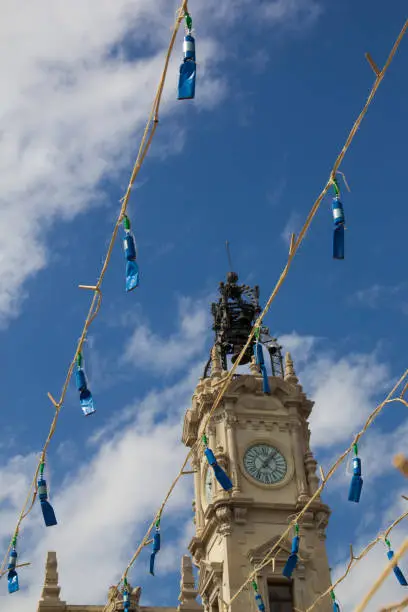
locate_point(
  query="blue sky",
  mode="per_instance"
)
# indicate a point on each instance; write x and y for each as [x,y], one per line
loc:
[278,89]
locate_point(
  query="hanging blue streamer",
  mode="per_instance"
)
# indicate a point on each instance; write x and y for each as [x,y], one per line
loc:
[397,570]
[156,547]
[132,268]
[219,473]
[356,483]
[47,509]
[126,599]
[12,576]
[338,232]
[259,360]
[85,396]
[293,557]
[339,222]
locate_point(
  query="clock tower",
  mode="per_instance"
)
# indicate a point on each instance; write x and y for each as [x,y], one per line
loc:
[261,439]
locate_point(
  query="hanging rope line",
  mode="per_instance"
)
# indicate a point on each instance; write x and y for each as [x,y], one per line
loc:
[94,308]
[396,607]
[294,247]
[355,559]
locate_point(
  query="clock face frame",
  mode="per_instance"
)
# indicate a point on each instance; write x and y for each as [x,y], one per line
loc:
[265,464]
[208,486]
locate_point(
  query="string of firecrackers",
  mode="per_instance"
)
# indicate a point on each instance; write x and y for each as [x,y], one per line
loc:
[382,537]
[147,138]
[294,246]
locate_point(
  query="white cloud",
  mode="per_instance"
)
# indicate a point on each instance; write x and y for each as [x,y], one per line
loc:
[294,14]
[70,109]
[300,347]
[292,226]
[345,390]
[73,100]
[147,350]
[382,296]
[14,482]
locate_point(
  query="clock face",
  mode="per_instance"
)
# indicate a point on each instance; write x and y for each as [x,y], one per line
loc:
[209,483]
[265,464]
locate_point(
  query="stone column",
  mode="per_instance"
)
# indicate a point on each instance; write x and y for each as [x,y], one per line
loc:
[297,445]
[313,479]
[199,514]
[230,420]
[211,435]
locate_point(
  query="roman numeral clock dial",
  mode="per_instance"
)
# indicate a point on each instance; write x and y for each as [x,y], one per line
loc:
[265,464]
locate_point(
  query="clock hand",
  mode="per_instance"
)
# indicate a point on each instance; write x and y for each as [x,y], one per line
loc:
[271,456]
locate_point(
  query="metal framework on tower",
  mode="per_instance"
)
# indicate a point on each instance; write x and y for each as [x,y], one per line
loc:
[234,315]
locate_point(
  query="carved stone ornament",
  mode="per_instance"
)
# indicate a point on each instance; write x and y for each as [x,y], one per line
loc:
[224,519]
[322,520]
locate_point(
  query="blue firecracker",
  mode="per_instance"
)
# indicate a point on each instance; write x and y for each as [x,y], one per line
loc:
[12,576]
[356,483]
[293,557]
[47,509]
[339,222]
[259,360]
[132,268]
[156,547]
[258,598]
[219,473]
[187,76]
[397,570]
[85,396]
[126,598]
[338,232]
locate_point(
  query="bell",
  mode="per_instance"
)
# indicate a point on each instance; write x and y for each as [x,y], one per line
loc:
[246,357]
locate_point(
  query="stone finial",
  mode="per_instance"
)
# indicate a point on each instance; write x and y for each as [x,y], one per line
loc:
[51,589]
[188,591]
[290,374]
[216,367]
[50,597]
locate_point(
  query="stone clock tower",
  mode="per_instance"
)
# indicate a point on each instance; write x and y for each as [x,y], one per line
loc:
[262,441]
[260,436]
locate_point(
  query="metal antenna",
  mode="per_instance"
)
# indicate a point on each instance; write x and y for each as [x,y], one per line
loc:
[228,255]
